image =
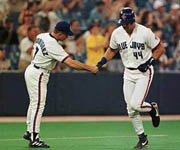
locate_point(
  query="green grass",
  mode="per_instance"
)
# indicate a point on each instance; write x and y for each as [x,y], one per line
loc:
[92,135]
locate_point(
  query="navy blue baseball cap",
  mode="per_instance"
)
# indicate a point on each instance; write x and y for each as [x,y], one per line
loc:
[64,27]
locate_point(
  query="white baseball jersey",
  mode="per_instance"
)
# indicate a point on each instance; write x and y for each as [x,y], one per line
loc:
[47,51]
[135,49]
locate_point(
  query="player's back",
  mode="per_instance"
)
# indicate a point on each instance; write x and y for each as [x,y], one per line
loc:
[47,51]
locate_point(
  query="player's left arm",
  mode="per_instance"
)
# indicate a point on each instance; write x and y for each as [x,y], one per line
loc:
[155,44]
[158,51]
[110,52]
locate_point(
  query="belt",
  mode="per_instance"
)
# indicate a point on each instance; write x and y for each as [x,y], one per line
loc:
[44,70]
[132,68]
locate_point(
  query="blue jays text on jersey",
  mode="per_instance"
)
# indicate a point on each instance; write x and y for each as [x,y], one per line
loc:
[134,45]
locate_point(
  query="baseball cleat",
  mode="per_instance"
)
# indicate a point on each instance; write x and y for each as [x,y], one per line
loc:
[37,143]
[154,113]
[27,136]
[142,143]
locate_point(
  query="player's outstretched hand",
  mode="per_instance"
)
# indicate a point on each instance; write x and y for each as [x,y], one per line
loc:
[93,69]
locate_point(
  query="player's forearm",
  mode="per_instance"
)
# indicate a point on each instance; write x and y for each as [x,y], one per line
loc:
[110,54]
[107,56]
[76,64]
[158,51]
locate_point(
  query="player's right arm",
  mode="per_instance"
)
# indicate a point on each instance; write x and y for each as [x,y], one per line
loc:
[78,65]
[110,53]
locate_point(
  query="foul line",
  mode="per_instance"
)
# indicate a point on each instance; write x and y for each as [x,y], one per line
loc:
[82,138]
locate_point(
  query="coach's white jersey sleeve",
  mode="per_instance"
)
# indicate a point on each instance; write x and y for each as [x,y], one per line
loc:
[151,39]
[57,52]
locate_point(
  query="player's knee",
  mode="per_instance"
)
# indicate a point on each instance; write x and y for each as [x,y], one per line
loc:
[135,106]
[132,114]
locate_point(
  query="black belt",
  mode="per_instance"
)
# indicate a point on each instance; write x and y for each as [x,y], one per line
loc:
[132,68]
[36,66]
[44,70]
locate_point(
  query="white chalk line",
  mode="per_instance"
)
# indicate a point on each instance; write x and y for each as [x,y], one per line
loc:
[83,138]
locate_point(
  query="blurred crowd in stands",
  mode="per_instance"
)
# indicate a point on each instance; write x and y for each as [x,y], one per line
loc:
[92,22]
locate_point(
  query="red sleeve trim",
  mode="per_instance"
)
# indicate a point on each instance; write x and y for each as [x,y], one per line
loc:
[65,59]
[154,49]
[112,49]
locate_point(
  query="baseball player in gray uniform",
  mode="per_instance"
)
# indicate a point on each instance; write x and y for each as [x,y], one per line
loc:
[47,52]
[139,49]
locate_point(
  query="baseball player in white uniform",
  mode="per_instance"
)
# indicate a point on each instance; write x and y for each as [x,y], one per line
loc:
[47,52]
[139,49]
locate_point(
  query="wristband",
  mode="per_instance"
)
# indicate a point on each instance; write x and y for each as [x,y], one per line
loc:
[101,62]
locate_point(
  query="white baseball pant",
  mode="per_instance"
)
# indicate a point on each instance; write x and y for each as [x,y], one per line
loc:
[36,82]
[135,88]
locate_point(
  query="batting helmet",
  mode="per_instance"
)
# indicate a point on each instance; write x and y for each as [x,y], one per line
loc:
[126,16]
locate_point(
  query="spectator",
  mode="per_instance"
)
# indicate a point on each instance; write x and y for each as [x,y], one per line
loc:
[3,33]
[70,42]
[95,45]
[27,22]
[117,5]
[177,56]
[80,54]
[160,10]
[47,11]
[15,7]
[73,9]
[30,6]
[98,13]
[75,26]
[12,44]
[4,63]
[176,53]
[3,9]
[26,47]
[88,5]
[171,32]
[149,20]
[44,24]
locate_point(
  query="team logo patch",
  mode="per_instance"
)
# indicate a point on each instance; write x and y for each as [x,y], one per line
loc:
[123,16]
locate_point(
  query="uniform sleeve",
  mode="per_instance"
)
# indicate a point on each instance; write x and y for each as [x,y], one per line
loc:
[151,39]
[57,52]
[113,44]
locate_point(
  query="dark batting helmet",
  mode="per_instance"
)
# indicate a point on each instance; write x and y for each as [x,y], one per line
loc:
[126,16]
